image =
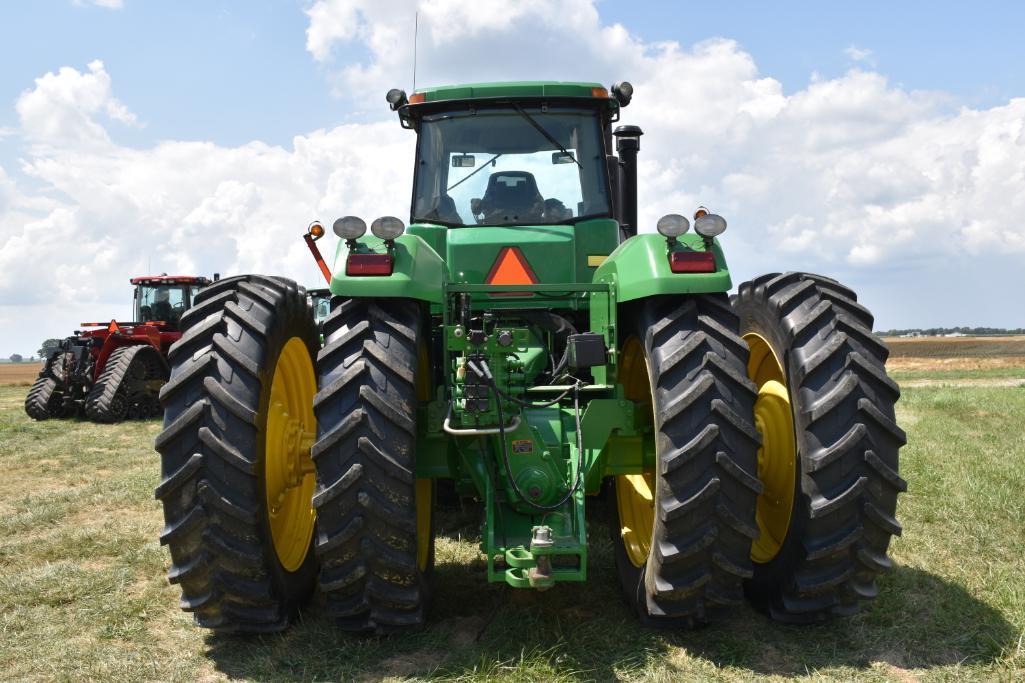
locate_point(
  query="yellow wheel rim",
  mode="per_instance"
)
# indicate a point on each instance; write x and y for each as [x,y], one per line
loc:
[636,501]
[635,493]
[778,455]
[288,470]
[424,486]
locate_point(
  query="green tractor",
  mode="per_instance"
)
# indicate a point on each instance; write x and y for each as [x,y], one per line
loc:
[524,341]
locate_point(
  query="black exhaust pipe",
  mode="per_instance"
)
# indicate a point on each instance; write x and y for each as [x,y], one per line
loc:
[628,143]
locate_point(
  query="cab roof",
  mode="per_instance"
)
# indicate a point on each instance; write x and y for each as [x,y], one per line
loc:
[516,89]
[170,280]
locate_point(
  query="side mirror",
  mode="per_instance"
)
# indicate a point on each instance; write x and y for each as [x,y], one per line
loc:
[563,158]
[463,161]
[475,206]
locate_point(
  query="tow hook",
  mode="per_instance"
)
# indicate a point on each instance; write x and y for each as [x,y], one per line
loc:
[540,575]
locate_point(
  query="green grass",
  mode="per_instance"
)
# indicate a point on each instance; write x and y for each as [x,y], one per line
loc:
[83,593]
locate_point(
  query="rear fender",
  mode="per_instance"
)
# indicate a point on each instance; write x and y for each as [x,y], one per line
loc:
[418,271]
[639,267]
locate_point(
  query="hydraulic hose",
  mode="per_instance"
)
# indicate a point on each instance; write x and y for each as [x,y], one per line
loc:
[484,372]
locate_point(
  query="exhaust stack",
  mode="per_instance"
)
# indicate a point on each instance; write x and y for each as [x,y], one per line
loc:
[628,143]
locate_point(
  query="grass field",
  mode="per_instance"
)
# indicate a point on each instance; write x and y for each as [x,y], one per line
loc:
[83,593]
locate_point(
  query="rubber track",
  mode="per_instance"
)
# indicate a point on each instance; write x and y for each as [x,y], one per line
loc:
[99,401]
[365,499]
[213,500]
[848,441]
[707,445]
[37,403]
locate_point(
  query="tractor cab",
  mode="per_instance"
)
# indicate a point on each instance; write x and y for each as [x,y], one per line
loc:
[163,299]
[511,164]
[514,184]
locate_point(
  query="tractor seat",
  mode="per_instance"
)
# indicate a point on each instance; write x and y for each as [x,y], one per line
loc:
[511,197]
[161,310]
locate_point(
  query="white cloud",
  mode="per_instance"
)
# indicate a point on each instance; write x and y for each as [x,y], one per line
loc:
[108,4]
[61,109]
[850,176]
[860,54]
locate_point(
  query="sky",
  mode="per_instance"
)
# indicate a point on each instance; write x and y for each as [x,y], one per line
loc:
[882,144]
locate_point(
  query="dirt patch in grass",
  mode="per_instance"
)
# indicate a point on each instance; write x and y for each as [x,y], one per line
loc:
[401,667]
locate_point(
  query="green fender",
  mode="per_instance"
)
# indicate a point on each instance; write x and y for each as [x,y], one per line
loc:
[639,267]
[419,272]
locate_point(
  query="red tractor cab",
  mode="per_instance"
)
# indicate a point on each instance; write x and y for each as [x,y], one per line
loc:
[160,302]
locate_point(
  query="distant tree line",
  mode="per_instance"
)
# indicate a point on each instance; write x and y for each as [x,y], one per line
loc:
[938,331]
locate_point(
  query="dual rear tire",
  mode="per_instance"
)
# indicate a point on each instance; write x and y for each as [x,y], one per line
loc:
[268,485]
[776,473]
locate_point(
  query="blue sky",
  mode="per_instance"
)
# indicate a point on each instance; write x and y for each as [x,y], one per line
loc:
[239,71]
[881,143]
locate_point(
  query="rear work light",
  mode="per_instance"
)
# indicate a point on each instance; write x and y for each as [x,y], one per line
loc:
[692,262]
[368,264]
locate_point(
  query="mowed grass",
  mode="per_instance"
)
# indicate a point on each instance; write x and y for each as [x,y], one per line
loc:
[83,593]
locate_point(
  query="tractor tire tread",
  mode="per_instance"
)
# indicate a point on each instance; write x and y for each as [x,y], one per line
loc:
[364,454]
[211,491]
[706,485]
[100,403]
[39,403]
[847,439]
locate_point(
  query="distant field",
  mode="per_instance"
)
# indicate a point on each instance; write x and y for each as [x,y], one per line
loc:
[18,373]
[956,357]
[965,347]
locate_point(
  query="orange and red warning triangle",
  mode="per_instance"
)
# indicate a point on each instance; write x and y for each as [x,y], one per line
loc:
[511,268]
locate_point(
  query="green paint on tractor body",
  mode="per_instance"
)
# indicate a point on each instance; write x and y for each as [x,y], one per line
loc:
[476,92]
[577,427]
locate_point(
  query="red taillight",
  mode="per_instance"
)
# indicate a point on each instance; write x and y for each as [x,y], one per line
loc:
[692,262]
[368,264]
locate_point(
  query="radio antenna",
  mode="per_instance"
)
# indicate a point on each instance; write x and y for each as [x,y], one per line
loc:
[416,32]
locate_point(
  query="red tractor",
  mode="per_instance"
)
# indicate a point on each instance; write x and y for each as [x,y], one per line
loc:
[115,372]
